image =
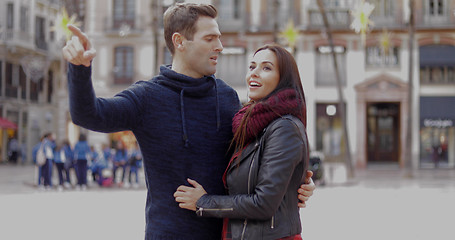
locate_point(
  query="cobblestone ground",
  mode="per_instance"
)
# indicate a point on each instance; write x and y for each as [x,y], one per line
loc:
[378,204]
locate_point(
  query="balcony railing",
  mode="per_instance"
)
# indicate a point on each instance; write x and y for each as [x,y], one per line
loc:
[17,38]
[338,18]
[124,26]
[440,21]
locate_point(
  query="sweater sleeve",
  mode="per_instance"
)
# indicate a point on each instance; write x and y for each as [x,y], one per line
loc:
[283,151]
[99,114]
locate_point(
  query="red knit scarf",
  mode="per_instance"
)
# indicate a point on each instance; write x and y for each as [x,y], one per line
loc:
[263,113]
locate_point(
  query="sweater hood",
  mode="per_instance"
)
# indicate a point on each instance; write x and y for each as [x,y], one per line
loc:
[188,86]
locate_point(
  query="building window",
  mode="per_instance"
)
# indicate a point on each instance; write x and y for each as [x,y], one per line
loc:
[124,65]
[437,65]
[376,57]
[40,33]
[436,13]
[50,86]
[24,19]
[11,81]
[232,66]
[437,75]
[23,82]
[382,8]
[435,7]
[10,16]
[34,90]
[231,9]
[124,13]
[325,70]
[329,132]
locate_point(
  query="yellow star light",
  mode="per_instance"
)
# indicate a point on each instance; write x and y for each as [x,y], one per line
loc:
[385,41]
[60,26]
[290,34]
[361,23]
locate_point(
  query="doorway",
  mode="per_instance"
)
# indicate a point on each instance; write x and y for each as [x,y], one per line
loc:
[383,130]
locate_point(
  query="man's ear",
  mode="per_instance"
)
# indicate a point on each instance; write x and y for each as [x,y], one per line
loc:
[177,40]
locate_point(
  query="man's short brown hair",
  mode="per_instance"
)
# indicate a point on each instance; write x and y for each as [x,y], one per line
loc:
[182,18]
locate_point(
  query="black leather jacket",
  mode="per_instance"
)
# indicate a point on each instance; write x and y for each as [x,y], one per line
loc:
[263,183]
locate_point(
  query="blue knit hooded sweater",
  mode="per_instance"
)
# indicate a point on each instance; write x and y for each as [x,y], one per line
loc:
[183,127]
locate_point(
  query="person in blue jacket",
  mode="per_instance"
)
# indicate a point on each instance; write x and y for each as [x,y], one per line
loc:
[120,160]
[34,153]
[59,161]
[181,118]
[81,153]
[97,165]
[134,163]
[69,163]
[46,169]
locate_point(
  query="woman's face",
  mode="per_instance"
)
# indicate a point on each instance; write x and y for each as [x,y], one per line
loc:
[263,75]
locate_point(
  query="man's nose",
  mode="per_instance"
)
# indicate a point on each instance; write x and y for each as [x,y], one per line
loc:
[219,46]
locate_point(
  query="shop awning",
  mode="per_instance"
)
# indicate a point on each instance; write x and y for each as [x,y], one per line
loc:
[5,123]
[437,111]
[437,55]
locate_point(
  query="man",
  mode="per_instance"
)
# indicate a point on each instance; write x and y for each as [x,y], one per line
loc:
[181,118]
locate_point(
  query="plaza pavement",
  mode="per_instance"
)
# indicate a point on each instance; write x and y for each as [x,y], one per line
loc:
[379,203]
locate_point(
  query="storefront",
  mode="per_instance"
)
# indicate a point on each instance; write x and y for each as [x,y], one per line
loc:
[8,130]
[437,132]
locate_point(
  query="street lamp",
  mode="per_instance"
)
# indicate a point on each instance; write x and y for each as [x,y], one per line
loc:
[331,110]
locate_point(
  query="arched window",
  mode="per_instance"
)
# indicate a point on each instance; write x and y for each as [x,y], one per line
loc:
[124,65]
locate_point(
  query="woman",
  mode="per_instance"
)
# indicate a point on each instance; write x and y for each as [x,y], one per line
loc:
[270,158]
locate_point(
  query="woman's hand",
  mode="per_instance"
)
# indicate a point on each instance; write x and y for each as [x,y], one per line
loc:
[188,196]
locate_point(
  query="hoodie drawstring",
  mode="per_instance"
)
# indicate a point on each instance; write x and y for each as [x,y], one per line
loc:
[182,112]
[218,117]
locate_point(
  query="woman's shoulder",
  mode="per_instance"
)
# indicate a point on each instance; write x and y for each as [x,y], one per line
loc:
[286,124]
[287,120]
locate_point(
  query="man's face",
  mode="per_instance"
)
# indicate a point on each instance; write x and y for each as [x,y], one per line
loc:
[201,54]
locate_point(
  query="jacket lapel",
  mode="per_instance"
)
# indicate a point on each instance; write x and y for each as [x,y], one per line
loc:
[245,154]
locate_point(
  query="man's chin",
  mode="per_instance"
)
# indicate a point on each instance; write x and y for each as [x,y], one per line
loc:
[210,73]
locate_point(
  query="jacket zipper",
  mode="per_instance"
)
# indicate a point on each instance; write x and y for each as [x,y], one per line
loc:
[200,210]
[244,228]
[272,226]
[249,179]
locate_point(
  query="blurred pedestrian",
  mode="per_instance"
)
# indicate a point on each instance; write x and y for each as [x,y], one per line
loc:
[46,169]
[119,161]
[13,150]
[436,154]
[23,153]
[81,156]
[69,163]
[59,160]
[38,169]
[135,163]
